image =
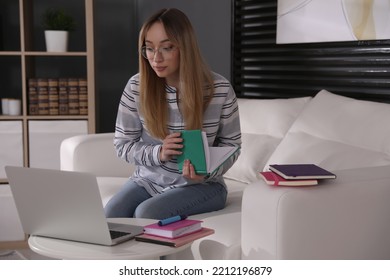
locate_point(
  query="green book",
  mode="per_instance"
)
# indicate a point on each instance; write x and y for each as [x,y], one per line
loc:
[205,159]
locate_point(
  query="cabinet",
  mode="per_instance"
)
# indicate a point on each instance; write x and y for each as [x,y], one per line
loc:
[11,148]
[23,56]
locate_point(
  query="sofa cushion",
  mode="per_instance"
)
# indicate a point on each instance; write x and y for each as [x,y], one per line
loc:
[263,124]
[255,151]
[272,117]
[108,186]
[337,132]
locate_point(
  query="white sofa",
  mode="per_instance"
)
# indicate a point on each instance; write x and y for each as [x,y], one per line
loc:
[345,218]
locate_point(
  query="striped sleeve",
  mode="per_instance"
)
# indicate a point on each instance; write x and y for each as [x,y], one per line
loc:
[229,131]
[129,131]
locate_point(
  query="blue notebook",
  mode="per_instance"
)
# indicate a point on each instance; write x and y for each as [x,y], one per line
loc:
[301,171]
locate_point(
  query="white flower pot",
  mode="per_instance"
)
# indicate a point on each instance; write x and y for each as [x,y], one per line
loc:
[56,40]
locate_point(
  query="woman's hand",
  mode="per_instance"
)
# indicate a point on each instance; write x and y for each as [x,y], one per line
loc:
[189,172]
[171,146]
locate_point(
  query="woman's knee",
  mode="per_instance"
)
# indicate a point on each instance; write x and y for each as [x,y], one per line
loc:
[149,210]
[124,202]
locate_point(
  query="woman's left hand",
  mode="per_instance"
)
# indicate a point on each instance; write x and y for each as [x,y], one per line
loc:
[189,172]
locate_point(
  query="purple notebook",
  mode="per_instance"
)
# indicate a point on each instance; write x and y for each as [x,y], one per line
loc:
[301,171]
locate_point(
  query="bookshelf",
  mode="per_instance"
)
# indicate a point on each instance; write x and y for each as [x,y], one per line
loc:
[23,56]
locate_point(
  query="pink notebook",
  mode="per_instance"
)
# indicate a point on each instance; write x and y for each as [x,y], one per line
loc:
[174,230]
[175,242]
[274,179]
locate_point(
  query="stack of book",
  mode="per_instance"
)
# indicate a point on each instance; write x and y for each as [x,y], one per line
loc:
[175,234]
[58,96]
[295,175]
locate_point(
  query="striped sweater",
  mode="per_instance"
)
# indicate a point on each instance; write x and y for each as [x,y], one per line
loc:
[135,145]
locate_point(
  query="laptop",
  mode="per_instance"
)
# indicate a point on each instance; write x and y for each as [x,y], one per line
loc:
[65,205]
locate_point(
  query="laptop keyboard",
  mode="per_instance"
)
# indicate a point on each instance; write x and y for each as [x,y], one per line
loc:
[116,234]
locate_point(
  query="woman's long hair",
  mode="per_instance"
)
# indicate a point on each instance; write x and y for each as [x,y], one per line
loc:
[196,80]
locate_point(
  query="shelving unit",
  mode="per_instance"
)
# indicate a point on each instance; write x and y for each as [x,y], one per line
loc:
[23,56]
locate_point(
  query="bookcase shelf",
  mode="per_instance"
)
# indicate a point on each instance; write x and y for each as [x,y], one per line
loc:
[23,56]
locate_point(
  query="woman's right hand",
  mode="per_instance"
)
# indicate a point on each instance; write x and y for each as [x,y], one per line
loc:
[171,146]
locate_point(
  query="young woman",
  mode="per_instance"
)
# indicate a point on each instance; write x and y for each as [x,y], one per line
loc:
[173,91]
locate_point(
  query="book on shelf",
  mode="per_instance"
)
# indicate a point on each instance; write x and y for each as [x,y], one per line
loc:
[274,179]
[53,96]
[73,96]
[174,230]
[175,242]
[205,159]
[63,96]
[43,96]
[33,96]
[58,96]
[301,171]
[83,96]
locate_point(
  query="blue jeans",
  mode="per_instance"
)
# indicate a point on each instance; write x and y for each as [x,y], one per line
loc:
[134,201]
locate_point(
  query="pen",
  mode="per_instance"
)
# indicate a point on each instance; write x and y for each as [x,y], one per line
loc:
[171,220]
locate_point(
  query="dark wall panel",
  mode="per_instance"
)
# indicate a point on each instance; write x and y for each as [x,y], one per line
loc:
[263,69]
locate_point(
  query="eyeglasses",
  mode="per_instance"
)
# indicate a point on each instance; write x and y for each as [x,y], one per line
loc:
[150,53]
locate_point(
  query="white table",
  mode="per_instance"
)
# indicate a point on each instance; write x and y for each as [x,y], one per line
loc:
[64,249]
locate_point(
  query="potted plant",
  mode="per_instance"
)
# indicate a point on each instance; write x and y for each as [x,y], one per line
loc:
[57,25]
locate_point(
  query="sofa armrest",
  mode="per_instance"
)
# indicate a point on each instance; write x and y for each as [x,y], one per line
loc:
[345,218]
[93,153]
